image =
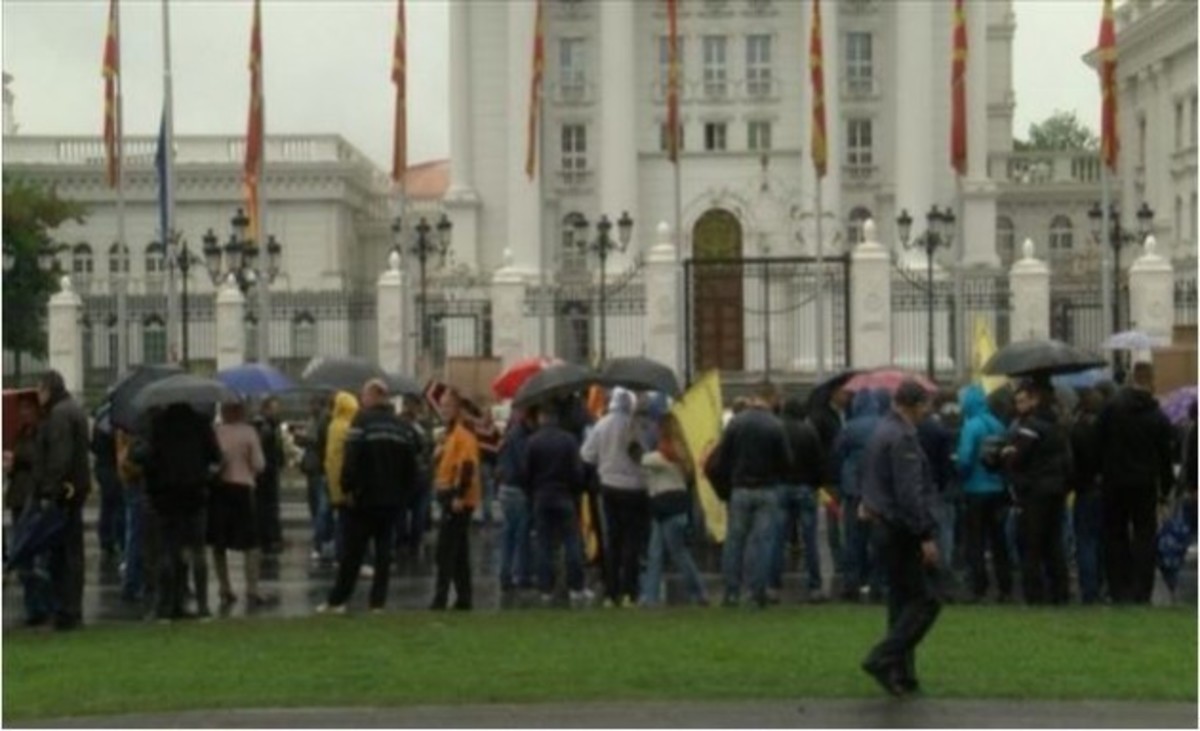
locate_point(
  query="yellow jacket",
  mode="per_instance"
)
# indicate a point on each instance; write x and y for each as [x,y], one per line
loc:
[345,406]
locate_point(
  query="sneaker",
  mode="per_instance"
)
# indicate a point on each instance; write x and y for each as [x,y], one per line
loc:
[367,572]
[327,608]
[582,597]
[628,603]
[547,599]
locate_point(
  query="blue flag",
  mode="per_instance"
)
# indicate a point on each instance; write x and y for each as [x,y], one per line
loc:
[160,166]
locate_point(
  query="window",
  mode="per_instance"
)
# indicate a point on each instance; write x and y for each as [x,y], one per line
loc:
[854,227]
[664,66]
[714,66]
[1061,237]
[714,136]
[1179,128]
[859,63]
[118,259]
[759,135]
[664,142]
[572,260]
[81,261]
[758,65]
[572,68]
[155,262]
[858,143]
[574,152]
[154,340]
[304,336]
[1006,239]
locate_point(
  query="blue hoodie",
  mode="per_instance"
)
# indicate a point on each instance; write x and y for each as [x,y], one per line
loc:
[978,425]
[865,411]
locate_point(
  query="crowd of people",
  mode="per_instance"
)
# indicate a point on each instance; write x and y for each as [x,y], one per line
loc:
[1025,477]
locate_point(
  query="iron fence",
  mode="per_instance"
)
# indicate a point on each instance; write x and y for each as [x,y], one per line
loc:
[571,312]
[457,327]
[1185,296]
[1077,314]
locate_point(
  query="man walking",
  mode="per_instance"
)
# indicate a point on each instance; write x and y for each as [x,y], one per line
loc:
[898,497]
[1135,445]
[378,467]
[61,474]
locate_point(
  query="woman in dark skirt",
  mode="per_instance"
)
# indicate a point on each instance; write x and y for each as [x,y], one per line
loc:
[231,521]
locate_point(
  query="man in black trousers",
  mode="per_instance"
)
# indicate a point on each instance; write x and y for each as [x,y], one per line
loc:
[898,497]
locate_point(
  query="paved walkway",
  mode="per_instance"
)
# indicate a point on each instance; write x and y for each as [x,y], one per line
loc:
[883,713]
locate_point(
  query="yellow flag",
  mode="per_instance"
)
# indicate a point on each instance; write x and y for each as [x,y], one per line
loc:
[985,348]
[699,415]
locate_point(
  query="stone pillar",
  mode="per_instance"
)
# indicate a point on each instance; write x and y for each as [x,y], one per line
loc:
[916,159]
[870,302]
[978,237]
[508,313]
[65,341]
[524,205]
[1029,282]
[1151,293]
[618,154]
[231,328]
[461,201]
[662,292]
[390,305]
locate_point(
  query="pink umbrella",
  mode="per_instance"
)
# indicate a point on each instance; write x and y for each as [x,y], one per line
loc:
[888,378]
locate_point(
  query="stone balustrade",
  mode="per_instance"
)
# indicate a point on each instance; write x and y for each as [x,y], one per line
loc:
[1045,168]
[200,149]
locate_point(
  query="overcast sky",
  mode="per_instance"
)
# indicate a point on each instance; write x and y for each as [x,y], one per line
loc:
[328,66]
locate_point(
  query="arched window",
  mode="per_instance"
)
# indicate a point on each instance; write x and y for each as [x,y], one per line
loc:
[156,264]
[854,225]
[118,259]
[1061,236]
[82,265]
[304,336]
[154,340]
[1006,239]
[574,260]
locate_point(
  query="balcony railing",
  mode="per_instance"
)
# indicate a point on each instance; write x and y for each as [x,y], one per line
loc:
[1045,168]
[64,150]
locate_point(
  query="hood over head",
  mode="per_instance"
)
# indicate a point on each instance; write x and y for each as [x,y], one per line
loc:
[345,406]
[621,401]
[973,401]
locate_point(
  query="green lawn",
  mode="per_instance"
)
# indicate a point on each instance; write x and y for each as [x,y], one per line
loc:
[531,656]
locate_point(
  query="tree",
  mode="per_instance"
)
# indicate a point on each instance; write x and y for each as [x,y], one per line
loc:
[31,213]
[1060,131]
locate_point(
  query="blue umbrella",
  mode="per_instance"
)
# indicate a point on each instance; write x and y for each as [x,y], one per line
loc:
[35,531]
[255,379]
[1082,379]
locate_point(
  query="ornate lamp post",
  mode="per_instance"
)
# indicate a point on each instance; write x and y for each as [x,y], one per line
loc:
[1117,238]
[425,245]
[184,259]
[240,259]
[939,233]
[602,245]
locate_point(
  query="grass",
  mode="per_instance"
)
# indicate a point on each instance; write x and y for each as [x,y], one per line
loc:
[534,656]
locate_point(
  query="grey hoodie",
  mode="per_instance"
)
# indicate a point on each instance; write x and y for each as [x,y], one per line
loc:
[607,446]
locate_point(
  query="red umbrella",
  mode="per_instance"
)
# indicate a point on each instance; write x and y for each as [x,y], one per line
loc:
[889,378]
[510,381]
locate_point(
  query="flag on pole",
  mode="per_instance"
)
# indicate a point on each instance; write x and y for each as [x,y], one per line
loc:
[160,167]
[110,71]
[400,79]
[535,91]
[699,414]
[1109,139]
[673,80]
[958,92]
[252,172]
[816,65]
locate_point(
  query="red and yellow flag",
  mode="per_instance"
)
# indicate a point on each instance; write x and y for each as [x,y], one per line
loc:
[958,92]
[1110,143]
[110,71]
[816,64]
[535,91]
[400,79]
[252,172]
[673,80]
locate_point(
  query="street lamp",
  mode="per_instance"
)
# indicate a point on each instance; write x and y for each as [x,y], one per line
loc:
[183,259]
[1117,238]
[602,245]
[424,247]
[939,233]
[239,257]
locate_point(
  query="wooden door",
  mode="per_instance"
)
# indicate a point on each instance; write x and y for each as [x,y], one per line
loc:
[717,292]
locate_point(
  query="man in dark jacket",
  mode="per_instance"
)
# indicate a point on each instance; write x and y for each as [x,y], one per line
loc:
[515,549]
[413,518]
[266,492]
[62,475]
[828,416]
[754,458]
[1089,505]
[798,498]
[1135,439]
[1038,461]
[111,526]
[552,472]
[898,497]
[938,444]
[379,467]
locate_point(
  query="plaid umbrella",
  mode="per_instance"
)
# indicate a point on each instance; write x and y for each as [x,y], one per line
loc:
[888,378]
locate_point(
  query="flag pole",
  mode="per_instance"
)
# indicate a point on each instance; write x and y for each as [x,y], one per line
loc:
[1108,273]
[543,259]
[820,299]
[680,286]
[123,276]
[170,243]
[263,330]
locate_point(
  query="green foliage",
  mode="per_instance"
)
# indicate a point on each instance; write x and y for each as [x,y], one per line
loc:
[409,658]
[31,213]
[1060,131]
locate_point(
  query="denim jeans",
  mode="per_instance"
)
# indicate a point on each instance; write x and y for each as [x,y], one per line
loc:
[320,511]
[669,536]
[133,582]
[752,514]
[945,513]
[1089,546]
[111,526]
[856,538]
[515,546]
[557,522]
[799,503]
[488,486]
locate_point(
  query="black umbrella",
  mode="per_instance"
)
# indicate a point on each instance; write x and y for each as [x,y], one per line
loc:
[400,385]
[36,529]
[1040,358]
[184,388]
[556,380]
[342,374]
[123,413]
[823,390]
[641,374]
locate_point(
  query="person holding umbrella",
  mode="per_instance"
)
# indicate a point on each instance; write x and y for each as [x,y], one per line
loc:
[19,495]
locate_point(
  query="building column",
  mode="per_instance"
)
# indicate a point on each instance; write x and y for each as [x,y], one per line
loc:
[662,290]
[508,313]
[65,340]
[1029,283]
[916,159]
[978,235]
[616,157]
[870,302]
[524,235]
[461,201]
[391,318]
[1152,293]
[231,328]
